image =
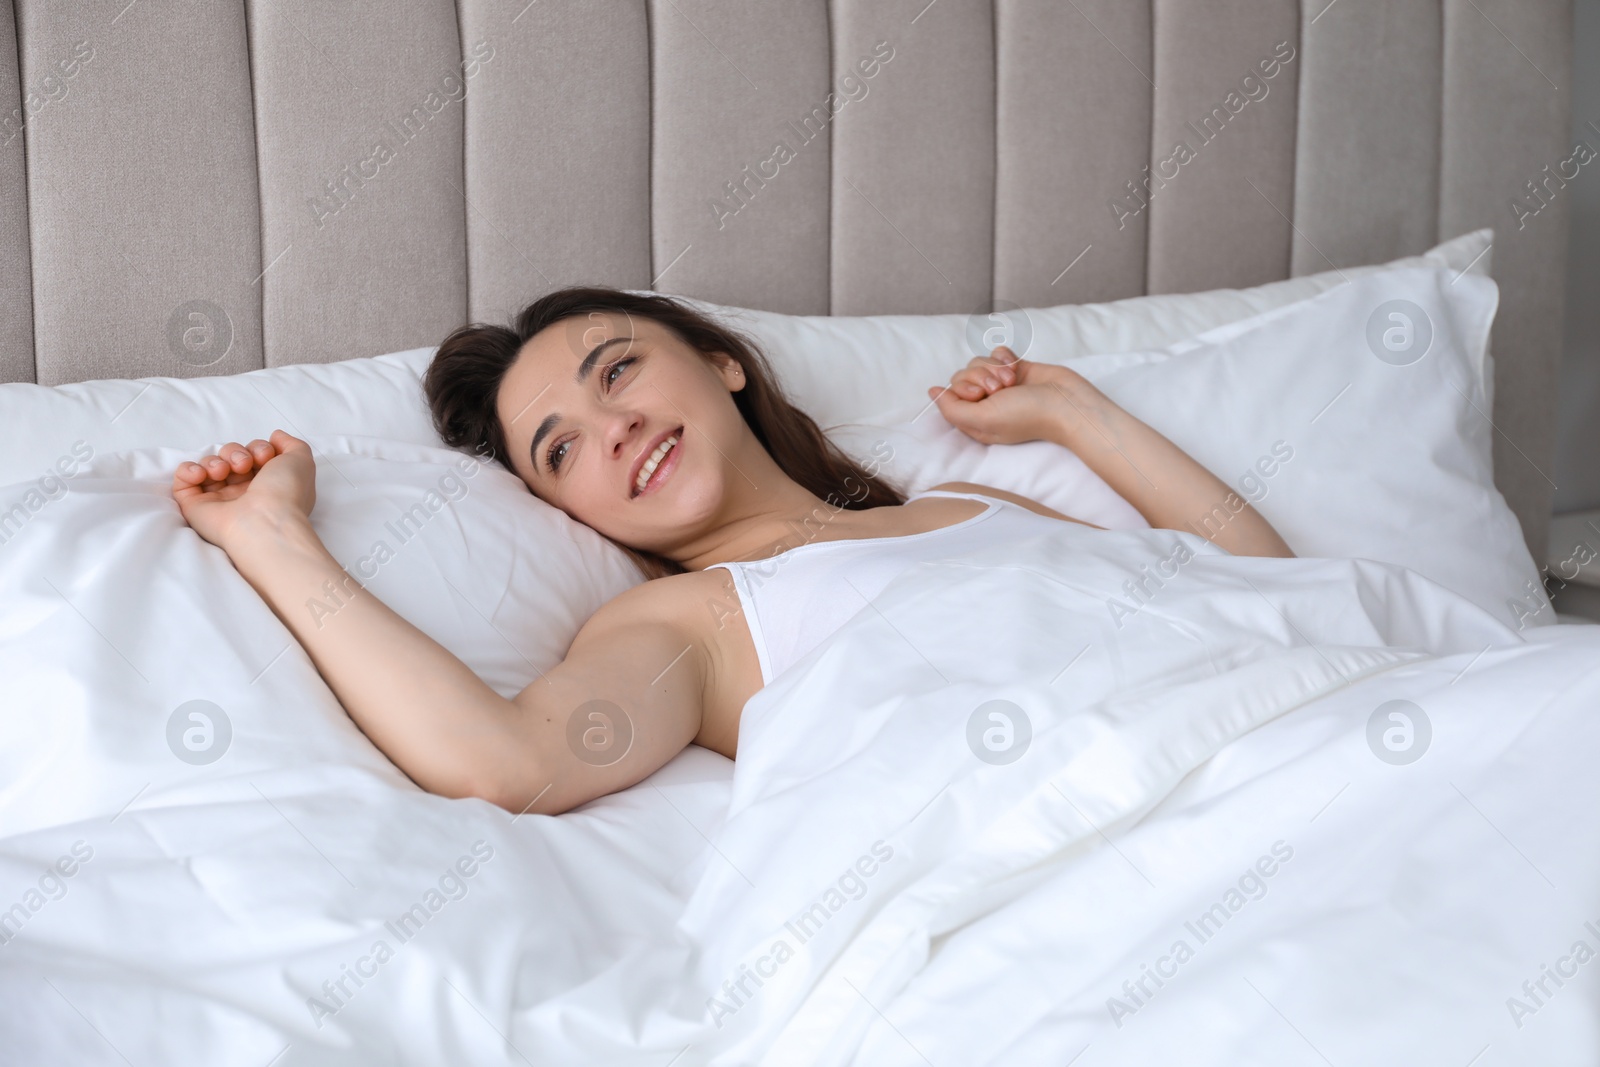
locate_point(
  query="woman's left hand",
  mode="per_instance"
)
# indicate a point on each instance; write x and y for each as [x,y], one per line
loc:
[1003,399]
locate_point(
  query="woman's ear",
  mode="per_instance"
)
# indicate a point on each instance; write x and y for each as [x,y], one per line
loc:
[732,373]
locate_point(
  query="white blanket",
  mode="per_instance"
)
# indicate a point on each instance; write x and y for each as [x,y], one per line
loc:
[1196,761]
[221,879]
[1397,907]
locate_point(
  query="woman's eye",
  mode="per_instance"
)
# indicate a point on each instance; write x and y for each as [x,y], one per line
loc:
[617,366]
[552,460]
[558,449]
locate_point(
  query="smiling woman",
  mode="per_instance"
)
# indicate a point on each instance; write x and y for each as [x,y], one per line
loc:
[668,433]
[542,396]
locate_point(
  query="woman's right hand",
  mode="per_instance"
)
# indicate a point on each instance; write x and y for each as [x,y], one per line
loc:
[242,487]
[1002,399]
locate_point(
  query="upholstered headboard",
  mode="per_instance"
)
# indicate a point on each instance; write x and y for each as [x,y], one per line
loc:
[203,187]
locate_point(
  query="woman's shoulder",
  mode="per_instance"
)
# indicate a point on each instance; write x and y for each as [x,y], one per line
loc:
[703,609]
[688,600]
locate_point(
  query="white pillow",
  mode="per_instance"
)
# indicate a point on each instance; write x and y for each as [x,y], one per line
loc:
[925,450]
[875,369]
[1349,448]
[456,546]
[379,396]
[839,370]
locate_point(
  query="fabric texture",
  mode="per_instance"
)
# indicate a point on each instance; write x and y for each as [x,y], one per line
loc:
[145,228]
[1053,200]
[1370,114]
[735,218]
[557,155]
[917,157]
[1224,217]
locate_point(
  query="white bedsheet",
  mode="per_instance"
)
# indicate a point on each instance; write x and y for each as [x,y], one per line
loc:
[971,911]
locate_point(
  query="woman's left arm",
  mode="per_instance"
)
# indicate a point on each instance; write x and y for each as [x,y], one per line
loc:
[1006,400]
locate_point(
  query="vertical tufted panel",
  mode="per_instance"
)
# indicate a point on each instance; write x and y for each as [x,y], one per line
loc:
[735,181]
[1367,170]
[16,286]
[913,171]
[557,150]
[1061,170]
[207,188]
[141,190]
[1222,217]
[359,120]
[1504,140]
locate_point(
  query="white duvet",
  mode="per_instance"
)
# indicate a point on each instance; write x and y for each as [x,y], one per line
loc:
[1108,797]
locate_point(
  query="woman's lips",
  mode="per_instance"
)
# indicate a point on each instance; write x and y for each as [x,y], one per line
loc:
[664,469]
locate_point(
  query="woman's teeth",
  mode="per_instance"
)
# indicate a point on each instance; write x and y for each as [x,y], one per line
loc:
[653,462]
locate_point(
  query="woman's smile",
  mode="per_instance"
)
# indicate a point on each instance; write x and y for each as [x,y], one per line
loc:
[658,465]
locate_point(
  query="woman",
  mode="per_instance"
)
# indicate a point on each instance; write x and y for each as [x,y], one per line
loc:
[667,433]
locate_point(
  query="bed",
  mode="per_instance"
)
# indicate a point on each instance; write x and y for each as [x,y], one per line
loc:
[1336,809]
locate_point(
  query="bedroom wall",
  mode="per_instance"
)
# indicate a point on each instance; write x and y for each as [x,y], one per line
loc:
[1577,471]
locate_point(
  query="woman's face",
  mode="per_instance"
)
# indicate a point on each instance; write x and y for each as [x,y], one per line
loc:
[588,404]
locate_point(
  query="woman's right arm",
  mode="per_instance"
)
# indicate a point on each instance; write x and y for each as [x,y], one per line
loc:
[633,670]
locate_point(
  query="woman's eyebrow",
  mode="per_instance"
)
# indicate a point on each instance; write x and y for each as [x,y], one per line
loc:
[585,368]
[593,357]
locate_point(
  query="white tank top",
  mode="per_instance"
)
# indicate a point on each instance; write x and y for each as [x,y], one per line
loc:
[794,600]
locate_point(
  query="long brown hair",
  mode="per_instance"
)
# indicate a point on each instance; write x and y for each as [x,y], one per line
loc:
[464,379]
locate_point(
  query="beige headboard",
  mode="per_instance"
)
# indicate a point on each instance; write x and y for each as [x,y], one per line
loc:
[204,186]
